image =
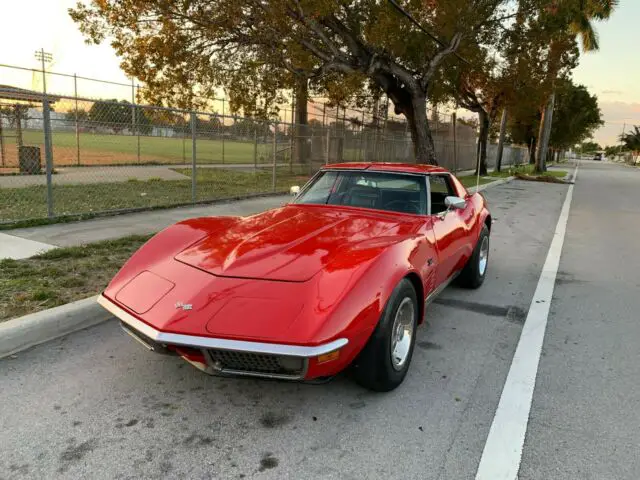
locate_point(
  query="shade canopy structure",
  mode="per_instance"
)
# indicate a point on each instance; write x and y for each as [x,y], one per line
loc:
[19,99]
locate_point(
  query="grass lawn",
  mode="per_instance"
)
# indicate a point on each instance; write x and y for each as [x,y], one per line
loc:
[471,180]
[527,170]
[61,275]
[103,149]
[211,184]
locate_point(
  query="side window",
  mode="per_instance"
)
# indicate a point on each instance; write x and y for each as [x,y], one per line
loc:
[321,189]
[440,188]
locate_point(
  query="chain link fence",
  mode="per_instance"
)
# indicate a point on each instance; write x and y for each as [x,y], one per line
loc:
[65,155]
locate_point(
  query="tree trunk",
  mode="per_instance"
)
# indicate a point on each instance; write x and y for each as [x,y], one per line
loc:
[301,130]
[482,142]
[545,134]
[532,157]
[416,114]
[503,131]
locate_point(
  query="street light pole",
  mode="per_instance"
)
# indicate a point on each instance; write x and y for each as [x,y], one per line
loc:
[44,57]
[46,124]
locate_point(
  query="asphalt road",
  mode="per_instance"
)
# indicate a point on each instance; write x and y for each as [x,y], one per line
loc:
[95,404]
[584,421]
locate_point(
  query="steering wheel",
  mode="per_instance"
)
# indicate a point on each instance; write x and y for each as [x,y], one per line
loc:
[406,207]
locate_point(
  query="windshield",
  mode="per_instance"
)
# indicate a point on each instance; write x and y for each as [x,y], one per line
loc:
[379,190]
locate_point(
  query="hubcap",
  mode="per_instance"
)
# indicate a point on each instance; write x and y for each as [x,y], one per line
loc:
[484,256]
[402,333]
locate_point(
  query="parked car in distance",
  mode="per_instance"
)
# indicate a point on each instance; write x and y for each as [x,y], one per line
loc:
[598,156]
[338,278]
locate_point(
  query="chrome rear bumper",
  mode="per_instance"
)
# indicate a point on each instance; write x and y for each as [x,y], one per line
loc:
[228,357]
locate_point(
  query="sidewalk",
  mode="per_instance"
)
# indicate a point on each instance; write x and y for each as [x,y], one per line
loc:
[13,243]
[68,175]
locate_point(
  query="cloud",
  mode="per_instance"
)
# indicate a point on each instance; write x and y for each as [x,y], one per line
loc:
[611,92]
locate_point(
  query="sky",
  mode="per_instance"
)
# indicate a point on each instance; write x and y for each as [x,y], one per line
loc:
[613,73]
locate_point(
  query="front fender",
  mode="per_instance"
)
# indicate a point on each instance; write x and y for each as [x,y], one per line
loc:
[353,301]
[163,246]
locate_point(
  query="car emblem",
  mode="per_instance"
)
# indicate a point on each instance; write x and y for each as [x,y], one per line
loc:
[184,306]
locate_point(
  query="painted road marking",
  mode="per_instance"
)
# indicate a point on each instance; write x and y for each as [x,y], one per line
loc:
[503,450]
[17,247]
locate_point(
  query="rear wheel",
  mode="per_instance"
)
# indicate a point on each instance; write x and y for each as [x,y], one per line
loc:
[473,273]
[384,361]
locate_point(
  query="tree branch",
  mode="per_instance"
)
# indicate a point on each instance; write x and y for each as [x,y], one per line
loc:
[434,63]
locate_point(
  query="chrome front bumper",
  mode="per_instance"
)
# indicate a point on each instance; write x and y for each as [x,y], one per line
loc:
[224,356]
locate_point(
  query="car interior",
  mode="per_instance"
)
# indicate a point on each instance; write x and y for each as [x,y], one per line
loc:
[405,194]
[441,188]
[397,200]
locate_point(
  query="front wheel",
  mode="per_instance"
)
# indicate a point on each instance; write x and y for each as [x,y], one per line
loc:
[474,272]
[384,361]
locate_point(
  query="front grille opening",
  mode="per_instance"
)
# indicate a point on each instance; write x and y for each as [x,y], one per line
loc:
[256,362]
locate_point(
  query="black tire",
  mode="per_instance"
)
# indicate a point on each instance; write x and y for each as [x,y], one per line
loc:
[472,276]
[374,368]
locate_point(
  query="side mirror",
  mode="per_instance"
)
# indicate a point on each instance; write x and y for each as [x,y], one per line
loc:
[294,191]
[455,203]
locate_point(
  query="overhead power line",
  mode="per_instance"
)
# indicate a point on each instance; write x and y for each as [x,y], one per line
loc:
[406,14]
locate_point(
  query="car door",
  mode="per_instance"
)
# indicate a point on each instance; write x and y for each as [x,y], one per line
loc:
[450,227]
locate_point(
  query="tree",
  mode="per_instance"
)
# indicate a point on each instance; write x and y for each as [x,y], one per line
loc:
[119,116]
[81,115]
[502,74]
[576,115]
[589,147]
[631,142]
[567,20]
[252,48]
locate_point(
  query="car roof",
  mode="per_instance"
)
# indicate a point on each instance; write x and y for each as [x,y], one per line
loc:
[387,167]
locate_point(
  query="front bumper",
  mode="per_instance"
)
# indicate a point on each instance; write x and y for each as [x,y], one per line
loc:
[220,356]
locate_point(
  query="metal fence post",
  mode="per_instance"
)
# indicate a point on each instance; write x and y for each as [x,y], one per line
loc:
[222,130]
[255,146]
[291,130]
[455,142]
[326,160]
[48,151]
[275,152]
[362,152]
[193,157]
[75,91]
[137,120]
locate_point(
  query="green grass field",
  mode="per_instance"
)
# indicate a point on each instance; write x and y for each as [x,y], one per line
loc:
[102,149]
[61,275]
[30,202]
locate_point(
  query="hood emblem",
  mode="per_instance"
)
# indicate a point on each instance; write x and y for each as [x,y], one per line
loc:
[183,306]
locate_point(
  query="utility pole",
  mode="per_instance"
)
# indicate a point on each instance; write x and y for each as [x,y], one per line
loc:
[503,130]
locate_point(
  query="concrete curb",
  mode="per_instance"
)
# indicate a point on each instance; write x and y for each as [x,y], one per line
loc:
[24,332]
[490,184]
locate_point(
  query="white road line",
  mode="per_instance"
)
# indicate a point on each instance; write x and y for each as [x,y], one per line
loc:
[17,247]
[503,450]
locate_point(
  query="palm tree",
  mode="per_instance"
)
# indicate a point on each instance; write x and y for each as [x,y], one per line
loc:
[579,17]
[631,141]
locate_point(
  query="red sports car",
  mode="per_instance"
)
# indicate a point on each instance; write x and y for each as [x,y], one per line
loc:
[339,277]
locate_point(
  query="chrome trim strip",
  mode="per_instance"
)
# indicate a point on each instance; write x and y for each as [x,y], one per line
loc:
[219,343]
[442,286]
[137,338]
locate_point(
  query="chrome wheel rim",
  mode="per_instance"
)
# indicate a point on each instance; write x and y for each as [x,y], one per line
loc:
[484,256]
[402,333]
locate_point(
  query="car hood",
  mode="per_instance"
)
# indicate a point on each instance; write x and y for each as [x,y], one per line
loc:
[289,244]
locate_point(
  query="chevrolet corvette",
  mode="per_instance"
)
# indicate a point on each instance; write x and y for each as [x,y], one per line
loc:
[339,277]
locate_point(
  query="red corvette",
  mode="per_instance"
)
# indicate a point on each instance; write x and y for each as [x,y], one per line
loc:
[339,277]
